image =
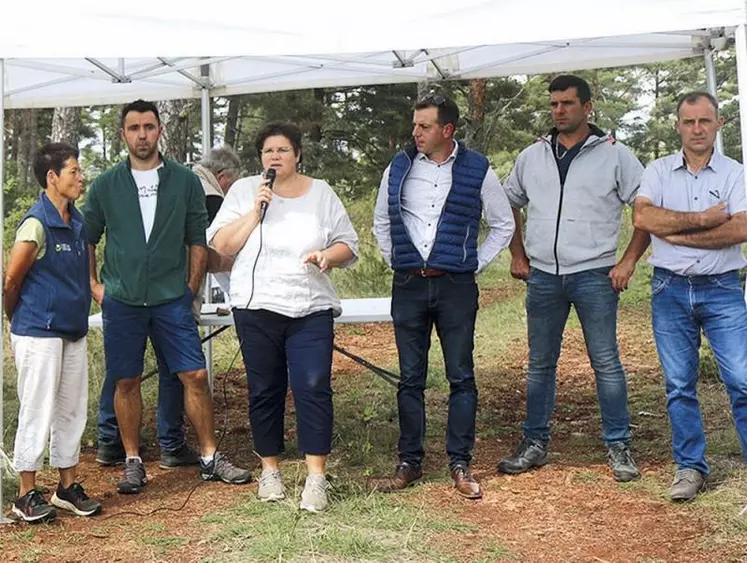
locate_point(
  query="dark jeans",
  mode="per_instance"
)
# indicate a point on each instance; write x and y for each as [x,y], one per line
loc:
[450,303]
[549,299]
[277,349]
[169,414]
[681,306]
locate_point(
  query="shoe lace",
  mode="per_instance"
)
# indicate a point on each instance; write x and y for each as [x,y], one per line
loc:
[317,486]
[621,455]
[35,498]
[269,477]
[523,447]
[222,465]
[684,475]
[134,471]
[78,492]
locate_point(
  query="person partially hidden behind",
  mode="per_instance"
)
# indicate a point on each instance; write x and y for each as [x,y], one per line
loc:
[47,298]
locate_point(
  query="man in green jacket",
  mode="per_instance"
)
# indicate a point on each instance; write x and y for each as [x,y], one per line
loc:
[152,211]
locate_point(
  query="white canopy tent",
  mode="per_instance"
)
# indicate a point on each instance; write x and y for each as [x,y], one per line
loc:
[89,52]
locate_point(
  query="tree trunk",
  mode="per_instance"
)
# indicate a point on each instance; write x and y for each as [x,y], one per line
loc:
[26,147]
[175,136]
[475,134]
[66,124]
[232,120]
[424,88]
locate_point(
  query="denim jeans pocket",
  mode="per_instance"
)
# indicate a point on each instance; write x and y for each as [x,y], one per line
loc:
[659,282]
[602,272]
[730,283]
[461,279]
[401,279]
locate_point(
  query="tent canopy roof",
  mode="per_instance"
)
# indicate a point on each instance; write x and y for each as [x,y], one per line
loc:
[100,53]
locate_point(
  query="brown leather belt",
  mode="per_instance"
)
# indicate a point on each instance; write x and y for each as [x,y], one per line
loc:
[426,272]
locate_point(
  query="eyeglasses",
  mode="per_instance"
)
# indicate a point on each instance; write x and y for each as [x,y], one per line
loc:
[279,150]
[433,100]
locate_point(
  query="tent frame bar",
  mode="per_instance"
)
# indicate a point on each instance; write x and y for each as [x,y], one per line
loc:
[116,77]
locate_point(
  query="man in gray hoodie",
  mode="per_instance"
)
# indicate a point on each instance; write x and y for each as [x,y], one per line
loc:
[574,183]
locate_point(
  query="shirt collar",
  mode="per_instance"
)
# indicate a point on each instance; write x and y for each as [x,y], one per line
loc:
[452,156]
[714,163]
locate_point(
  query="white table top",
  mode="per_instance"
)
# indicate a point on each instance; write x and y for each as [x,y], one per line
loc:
[370,310]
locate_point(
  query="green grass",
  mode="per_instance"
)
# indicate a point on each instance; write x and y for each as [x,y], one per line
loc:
[359,526]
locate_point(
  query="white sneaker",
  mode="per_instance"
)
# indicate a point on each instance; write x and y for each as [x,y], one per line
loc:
[314,495]
[271,486]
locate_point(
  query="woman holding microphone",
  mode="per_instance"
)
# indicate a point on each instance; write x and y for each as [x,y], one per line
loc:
[284,302]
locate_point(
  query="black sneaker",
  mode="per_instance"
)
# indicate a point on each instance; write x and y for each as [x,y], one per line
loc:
[110,454]
[220,469]
[181,457]
[621,462]
[134,478]
[32,507]
[530,453]
[75,499]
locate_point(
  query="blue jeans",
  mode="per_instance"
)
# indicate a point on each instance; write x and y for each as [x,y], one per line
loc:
[549,299]
[169,414]
[681,306]
[450,303]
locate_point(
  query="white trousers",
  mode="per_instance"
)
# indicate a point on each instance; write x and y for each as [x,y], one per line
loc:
[53,392]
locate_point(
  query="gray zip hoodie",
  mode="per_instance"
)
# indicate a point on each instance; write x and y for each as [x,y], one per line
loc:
[574,227]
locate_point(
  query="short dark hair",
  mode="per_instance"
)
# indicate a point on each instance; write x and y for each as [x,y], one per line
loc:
[284,128]
[448,111]
[52,156]
[140,106]
[564,81]
[693,97]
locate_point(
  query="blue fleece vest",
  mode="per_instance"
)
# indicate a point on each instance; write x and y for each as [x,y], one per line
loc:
[455,247]
[56,294]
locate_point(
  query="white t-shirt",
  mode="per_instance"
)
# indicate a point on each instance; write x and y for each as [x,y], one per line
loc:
[147,191]
[293,227]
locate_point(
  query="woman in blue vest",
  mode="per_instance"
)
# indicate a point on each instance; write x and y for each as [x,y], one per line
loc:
[47,299]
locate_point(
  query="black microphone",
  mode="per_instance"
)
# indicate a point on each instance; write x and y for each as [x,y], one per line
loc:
[269,175]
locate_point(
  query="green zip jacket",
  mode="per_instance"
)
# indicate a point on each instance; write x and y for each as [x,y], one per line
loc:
[136,272]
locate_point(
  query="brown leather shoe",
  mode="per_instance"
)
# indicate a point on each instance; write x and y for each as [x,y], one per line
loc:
[405,475]
[464,483]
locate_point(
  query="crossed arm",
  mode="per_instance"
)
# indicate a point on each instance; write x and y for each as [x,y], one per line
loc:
[713,228]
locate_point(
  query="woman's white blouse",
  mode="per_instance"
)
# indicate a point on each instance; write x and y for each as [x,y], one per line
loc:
[293,227]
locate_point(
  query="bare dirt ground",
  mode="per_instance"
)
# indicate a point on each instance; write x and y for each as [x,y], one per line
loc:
[571,510]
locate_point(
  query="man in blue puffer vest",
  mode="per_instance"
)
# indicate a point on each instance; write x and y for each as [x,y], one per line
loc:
[426,223]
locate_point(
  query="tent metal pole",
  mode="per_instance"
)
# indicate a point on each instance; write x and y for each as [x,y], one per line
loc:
[206,146]
[710,69]
[3,519]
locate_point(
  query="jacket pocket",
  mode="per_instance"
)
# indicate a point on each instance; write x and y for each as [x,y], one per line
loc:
[540,240]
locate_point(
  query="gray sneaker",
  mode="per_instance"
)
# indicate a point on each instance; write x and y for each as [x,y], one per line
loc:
[621,462]
[133,479]
[271,486]
[529,453]
[687,482]
[314,495]
[220,469]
